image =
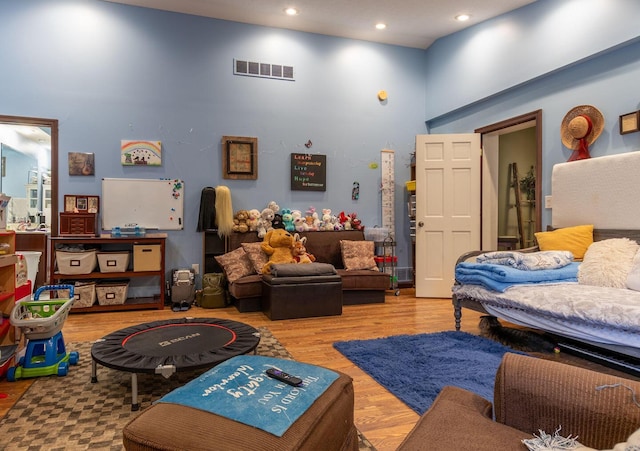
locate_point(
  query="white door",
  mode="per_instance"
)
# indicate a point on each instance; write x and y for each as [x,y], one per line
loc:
[448,193]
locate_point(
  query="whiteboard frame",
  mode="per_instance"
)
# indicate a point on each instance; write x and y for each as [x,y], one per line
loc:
[155,204]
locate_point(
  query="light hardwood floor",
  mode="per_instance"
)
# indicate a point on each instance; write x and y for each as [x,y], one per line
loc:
[383,419]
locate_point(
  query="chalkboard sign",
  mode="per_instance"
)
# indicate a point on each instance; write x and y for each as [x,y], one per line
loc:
[149,203]
[308,172]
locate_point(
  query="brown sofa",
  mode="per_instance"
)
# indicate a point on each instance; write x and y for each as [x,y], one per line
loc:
[531,395]
[358,287]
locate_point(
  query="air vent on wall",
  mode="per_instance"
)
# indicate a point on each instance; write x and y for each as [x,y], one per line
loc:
[264,70]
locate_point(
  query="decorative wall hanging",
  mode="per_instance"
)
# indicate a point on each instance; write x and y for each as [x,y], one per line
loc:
[580,127]
[630,122]
[239,158]
[81,163]
[137,152]
[308,172]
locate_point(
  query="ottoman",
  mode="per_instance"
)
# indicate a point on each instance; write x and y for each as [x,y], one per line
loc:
[327,424]
[301,296]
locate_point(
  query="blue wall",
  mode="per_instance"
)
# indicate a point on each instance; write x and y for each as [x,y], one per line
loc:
[604,77]
[110,72]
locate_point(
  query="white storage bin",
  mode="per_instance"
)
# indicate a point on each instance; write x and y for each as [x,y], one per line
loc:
[84,294]
[376,233]
[80,262]
[112,293]
[113,261]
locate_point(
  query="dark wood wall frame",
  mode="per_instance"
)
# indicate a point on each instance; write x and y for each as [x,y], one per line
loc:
[630,122]
[239,158]
[536,118]
[53,126]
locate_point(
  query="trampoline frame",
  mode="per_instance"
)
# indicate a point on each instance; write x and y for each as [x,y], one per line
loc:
[105,351]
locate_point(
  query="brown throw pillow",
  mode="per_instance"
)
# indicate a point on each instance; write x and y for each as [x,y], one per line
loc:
[358,255]
[235,264]
[256,255]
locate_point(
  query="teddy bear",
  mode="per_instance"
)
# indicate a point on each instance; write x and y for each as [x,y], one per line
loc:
[277,244]
[356,223]
[265,222]
[300,224]
[252,220]
[299,252]
[287,220]
[240,221]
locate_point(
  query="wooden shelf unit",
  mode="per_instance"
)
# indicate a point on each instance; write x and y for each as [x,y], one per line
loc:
[8,284]
[108,243]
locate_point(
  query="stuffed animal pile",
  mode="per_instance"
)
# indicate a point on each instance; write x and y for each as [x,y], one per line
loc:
[272,217]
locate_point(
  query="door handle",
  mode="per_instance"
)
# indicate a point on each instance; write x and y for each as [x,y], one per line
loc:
[421,224]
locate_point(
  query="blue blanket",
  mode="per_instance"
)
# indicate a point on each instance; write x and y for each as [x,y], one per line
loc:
[501,277]
[240,390]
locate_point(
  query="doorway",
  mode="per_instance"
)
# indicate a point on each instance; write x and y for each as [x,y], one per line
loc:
[504,141]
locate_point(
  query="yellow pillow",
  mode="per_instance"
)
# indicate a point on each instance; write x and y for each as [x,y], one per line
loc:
[574,239]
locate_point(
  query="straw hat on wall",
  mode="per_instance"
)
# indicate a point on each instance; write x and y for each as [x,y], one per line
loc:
[580,127]
[575,125]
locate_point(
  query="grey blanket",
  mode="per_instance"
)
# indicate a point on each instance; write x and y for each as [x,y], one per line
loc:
[302,269]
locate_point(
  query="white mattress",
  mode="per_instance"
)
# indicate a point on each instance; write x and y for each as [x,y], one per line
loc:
[602,191]
[599,315]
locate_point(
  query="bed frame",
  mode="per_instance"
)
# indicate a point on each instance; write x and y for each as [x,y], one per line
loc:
[608,355]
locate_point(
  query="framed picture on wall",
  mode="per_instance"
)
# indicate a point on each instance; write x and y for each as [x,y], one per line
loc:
[81,163]
[239,158]
[629,122]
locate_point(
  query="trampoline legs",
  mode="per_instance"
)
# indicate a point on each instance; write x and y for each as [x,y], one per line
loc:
[134,392]
[94,371]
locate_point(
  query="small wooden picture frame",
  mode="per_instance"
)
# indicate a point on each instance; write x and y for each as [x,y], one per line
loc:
[239,158]
[78,203]
[630,122]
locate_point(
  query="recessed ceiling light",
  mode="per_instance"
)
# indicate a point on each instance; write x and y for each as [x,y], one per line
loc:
[463,17]
[381,26]
[291,11]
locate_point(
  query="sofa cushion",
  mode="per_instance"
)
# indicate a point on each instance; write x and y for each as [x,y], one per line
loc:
[256,255]
[607,263]
[235,264]
[574,239]
[459,420]
[358,255]
[247,287]
[364,279]
[534,394]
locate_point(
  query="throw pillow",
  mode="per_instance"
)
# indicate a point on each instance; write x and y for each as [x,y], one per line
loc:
[358,255]
[235,264]
[633,279]
[607,263]
[574,239]
[256,255]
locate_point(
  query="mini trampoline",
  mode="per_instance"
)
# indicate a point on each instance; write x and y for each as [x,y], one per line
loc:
[168,346]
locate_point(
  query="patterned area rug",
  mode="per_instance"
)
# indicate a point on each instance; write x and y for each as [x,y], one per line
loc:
[71,413]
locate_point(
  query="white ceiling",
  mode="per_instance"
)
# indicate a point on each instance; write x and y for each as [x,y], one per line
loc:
[410,23]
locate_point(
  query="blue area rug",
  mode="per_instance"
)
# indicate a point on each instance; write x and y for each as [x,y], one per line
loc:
[416,367]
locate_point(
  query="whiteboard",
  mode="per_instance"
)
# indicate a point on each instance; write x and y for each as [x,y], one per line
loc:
[149,203]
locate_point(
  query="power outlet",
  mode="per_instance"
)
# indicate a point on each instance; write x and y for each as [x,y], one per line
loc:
[196,268]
